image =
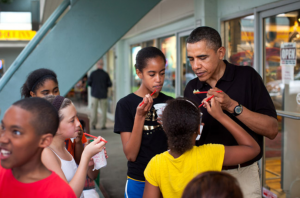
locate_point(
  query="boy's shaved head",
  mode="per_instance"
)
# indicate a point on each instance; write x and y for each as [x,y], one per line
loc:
[45,117]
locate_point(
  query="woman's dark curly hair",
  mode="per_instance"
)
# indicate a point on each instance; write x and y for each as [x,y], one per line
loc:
[35,80]
[181,119]
[213,184]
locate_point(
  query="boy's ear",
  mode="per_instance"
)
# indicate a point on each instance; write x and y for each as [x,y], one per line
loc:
[45,140]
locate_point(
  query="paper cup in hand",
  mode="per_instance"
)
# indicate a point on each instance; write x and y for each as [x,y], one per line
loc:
[159,107]
[99,160]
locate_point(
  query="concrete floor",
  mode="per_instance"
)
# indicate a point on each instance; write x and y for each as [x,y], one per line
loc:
[113,176]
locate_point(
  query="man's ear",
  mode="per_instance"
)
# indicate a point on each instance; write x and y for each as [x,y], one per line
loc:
[139,73]
[45,140]
[222,52]
[32,94]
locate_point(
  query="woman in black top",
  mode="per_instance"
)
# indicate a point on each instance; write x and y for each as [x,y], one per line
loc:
[142,136]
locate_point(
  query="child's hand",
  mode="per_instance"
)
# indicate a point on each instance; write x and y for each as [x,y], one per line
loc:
[91,162]
[144,108]
[159,120]
[214,108]
[225,101]
[93,148]
[105,153]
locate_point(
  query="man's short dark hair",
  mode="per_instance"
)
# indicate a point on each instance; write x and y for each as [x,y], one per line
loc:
[208,34]
[45,117]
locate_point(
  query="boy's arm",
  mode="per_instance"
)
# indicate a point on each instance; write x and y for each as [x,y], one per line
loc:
[132,141]
[151,191]
[247,148]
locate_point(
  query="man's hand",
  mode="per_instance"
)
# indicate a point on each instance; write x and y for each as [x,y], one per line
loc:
[225,101]
[214,108]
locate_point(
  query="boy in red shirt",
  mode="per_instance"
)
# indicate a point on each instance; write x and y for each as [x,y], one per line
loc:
[28,126]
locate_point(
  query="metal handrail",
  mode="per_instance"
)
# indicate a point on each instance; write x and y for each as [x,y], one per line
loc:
[288,114]
[34,42]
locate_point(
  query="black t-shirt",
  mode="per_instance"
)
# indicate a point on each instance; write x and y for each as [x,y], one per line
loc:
[154,141]
[242,84]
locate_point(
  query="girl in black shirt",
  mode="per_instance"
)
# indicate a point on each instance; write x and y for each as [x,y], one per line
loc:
[142,136]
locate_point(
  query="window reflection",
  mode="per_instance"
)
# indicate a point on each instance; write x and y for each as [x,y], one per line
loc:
[168,46]
[186,68]
[239,40]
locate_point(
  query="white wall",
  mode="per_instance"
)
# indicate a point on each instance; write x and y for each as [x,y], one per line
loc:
[167,11]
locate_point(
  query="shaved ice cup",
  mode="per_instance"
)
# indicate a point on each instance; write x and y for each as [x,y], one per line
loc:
[159,107]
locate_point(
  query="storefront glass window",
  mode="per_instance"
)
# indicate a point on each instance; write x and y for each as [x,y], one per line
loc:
[186,68]
[168,47]
[282,79]
[239,40]
[151,43]
[135,80]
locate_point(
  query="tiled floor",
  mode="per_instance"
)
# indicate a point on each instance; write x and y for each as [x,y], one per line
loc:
[273,172]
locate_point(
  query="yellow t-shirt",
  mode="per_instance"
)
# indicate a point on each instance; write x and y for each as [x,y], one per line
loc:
[171,174]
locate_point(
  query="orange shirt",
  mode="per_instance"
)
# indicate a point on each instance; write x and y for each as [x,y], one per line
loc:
[71,145]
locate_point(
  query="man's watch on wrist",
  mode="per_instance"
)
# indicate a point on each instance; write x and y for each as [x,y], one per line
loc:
[237,110]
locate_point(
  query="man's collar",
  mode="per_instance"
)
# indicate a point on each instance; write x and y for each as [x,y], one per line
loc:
[229,72]
[227,76]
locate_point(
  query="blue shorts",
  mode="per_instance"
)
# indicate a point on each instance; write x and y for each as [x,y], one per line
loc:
[134,188]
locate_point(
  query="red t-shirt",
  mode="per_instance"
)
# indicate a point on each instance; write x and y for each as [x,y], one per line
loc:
[50,187]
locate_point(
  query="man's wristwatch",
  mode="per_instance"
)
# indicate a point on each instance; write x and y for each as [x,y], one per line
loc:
[238,110]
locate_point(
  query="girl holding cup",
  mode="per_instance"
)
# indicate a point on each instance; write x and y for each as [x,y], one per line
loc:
[135,119]
[57,158]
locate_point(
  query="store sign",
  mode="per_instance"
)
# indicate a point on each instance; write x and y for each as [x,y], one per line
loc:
[288,55]
[17,34]
[288,59]
[268,194]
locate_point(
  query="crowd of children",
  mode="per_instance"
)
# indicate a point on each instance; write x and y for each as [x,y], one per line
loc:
[163,160]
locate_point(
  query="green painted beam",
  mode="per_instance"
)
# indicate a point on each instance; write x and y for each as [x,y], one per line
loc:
[77,41]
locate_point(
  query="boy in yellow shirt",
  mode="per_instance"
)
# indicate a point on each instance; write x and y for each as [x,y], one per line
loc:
[168,173]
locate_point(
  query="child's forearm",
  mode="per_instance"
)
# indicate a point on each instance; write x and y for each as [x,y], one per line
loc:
[78,181]
[132,146]
[92,174]
[240,135]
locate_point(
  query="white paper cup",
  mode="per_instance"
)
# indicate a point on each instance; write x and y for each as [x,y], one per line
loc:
[201,127]
[159,107]
[99,160]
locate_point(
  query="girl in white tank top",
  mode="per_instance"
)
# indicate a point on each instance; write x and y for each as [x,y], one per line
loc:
[69,168]
[69,126]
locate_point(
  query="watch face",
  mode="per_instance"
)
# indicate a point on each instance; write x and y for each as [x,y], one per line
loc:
[238,110]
